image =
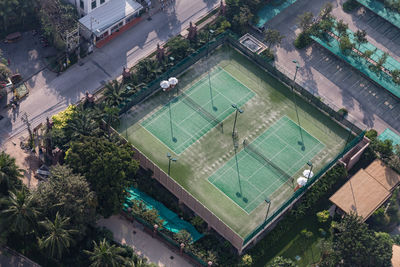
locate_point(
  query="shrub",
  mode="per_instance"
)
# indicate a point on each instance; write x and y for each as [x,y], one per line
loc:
[246,261]
[61,119]
[267,55]
[343,112]
[5,72]
[323,216]
[350,5]
[303,40]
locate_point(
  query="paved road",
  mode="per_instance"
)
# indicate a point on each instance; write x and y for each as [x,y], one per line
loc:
[51,94]
[337,83]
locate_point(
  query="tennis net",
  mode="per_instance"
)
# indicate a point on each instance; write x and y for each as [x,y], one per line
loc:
[207,115]
[255,153]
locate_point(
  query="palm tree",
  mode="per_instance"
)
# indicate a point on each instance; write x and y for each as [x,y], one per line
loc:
[20,212]
[114,93]
[105,255]
[84,123]
[58,237]
[9,174]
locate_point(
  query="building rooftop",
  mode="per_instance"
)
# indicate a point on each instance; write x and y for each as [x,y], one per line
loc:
[367,190]
[108,14]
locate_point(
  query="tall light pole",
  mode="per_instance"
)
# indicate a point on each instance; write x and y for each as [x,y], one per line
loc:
[238,110]
[210,32]
[91,29]
[309,163]
[295,105]
[170,158]
[268,201]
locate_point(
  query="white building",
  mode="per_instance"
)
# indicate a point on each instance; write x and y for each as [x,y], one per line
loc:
[102,20]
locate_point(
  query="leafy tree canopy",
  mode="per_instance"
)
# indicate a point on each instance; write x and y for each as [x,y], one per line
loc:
[9,174]
[356,245]
[109,169]
[68,194]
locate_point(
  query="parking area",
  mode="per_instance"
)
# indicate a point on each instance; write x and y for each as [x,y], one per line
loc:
[335,82]
[27,56]
[378,30]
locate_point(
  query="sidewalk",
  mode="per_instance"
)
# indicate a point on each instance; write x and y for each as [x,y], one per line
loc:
[143,243]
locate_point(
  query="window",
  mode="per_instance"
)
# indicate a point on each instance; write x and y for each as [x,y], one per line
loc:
[82,4]
[130,18]
[94,4]
[114,28]
[102,2]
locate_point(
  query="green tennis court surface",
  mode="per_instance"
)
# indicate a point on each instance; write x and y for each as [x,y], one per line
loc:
[247,181]
[189,116]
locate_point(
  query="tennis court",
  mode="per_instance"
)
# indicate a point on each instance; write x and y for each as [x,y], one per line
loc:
[190,115]
[265,164]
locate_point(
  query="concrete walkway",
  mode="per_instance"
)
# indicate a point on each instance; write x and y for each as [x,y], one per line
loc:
[143,243]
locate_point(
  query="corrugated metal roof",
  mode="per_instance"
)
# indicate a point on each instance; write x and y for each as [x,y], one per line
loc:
[108,14]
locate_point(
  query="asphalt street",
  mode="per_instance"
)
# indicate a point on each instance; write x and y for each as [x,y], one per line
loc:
[50,93]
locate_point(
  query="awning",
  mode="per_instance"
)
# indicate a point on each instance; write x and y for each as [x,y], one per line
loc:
[109,14]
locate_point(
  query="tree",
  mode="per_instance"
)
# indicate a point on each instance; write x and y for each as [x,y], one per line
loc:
[20,212]
[58,237]
[281,262]
[345,44]
[360,38]
[147,70]
[396,76]
[178,47]
[357,245]
[84,122]
[326,10]
[105,255]
[305,21]
[381,61]
[342,28]
[114,93]
[68,194]
[184,237]
[273,37]
[10,174]
[108,168]
[246,260]
[5,72]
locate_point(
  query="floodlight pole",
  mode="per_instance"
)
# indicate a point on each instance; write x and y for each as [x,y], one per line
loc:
[238,110]
[295,104]
[208,47]
[170,158]
[269,205]
[309,163]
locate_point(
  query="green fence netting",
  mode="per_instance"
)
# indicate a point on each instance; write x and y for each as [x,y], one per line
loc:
[172,222]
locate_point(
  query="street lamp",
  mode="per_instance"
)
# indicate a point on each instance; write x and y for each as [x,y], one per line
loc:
[238,110]
[170,158]
[301,143]
[268,201]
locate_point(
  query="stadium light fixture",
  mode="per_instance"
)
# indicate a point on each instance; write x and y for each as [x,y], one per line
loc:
[170,158]
[268,201]
[301,143]
[238,110]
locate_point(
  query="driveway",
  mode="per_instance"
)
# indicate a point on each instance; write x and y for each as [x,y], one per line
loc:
[334,81]
[144,244]
[51,94]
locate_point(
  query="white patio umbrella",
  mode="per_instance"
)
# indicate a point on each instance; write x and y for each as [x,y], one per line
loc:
[308,173]
[164,85]
[173,81]
[301,181]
